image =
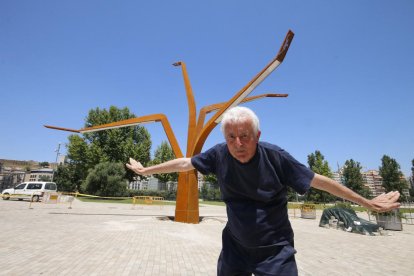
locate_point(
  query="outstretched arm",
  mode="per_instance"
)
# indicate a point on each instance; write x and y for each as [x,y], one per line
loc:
[175,165]
[381,203]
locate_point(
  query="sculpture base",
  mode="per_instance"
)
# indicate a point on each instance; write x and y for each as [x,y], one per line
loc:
[187,216]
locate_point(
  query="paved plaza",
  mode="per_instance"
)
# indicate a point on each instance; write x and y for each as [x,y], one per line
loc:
[115,239]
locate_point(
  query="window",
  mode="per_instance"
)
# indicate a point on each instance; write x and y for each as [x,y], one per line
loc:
[50,186]
[20,186]
[34,186]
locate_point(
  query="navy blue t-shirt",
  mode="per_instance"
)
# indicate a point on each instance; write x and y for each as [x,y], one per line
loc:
[255,192]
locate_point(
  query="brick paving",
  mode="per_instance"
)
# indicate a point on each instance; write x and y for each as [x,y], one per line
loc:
[114,239]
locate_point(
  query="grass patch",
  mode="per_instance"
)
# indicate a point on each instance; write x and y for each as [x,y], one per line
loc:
[217,203]
[406,210]
[105,200]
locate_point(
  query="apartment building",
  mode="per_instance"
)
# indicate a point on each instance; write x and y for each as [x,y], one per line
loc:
[151,183]
[373,181]
[40,175]
[10,176]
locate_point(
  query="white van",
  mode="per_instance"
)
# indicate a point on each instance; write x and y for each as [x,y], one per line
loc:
[29,190]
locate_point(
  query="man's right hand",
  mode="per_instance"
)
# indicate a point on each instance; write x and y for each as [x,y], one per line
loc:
[135,166]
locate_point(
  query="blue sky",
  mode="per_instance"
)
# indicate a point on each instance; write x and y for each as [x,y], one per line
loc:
[349,71]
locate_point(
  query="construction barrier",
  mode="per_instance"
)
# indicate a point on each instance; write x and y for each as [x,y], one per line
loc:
[68,198]
[148,200]
[301,210]
[308,211]
[136,200]
[54,198]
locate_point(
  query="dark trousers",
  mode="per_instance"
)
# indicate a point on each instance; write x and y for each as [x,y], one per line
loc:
[236,259]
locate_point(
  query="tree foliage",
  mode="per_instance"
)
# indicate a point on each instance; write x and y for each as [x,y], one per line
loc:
[116,145]
[106,179]
[319,165]
[67,179]
[162,154]
[112,145]
[204,191]
[353,178]
[210,189]
[214,194]
[212,179]
[392,177]
[411,179]
[292,195]
[78,164]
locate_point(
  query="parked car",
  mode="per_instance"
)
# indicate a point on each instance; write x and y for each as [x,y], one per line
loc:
[29,190]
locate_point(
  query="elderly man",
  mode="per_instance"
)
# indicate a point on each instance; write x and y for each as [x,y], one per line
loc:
[253,178]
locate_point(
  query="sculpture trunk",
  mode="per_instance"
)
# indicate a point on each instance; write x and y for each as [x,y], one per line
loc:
[186,209]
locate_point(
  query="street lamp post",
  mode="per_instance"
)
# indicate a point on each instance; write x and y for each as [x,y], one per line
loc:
[56,161]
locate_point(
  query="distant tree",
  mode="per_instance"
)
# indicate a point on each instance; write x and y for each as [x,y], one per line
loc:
[214,194]
[106,179]
[204,191]
[116,145]
[353,178]
[66,179]
[44,164]
[164,153]
[392,177]
[78,162]
[212,179]
[212,191]
[319,165]
[411,180]
[291,194]
[112,145]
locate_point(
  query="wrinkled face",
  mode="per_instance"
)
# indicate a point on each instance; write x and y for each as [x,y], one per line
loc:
[241,140]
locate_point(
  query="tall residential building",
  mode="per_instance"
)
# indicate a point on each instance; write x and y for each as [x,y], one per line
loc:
[337,176]
[373,181]
[406,191]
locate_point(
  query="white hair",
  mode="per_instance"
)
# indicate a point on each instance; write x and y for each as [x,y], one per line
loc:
[238,114]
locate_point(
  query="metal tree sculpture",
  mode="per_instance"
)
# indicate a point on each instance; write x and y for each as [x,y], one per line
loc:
[186,209]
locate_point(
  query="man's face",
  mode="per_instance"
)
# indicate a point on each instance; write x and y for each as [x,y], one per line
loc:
[241,140]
